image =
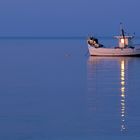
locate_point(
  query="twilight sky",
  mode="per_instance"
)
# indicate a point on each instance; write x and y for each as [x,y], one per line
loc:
[68,17]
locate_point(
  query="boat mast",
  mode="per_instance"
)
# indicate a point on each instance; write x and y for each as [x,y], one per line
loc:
[122,34]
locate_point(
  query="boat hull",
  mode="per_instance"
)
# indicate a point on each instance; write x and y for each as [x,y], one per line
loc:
[113,51]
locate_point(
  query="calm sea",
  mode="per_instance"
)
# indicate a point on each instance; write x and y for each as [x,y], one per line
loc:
[50,89]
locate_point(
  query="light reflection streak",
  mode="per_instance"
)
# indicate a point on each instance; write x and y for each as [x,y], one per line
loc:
[95,65]
[123,84]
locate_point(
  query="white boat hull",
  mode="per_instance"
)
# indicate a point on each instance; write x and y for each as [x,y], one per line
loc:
[113,51]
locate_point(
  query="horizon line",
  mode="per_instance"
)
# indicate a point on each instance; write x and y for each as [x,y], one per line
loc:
[56,37]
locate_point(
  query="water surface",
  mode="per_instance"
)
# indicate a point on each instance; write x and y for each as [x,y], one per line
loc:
[51,89]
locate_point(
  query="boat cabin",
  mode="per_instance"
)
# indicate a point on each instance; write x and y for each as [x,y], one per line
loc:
[124,41]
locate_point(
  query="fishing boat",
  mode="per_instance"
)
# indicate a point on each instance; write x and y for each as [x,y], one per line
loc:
[125,46]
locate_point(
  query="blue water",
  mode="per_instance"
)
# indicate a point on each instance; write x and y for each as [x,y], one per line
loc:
[50,89]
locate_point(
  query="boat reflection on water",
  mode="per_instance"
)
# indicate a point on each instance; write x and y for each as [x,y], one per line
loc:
[107,87]
[123,96]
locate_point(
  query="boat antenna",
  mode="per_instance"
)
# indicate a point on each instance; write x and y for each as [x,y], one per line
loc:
[122,30]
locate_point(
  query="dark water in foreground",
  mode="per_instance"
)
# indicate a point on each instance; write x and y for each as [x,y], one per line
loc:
[51,90]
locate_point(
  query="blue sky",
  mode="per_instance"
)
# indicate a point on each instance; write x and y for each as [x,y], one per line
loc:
[67,17]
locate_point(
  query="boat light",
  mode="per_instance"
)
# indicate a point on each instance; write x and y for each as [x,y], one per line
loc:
[122,41]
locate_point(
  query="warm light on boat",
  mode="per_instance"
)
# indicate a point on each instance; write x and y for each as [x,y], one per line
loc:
[122,41]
